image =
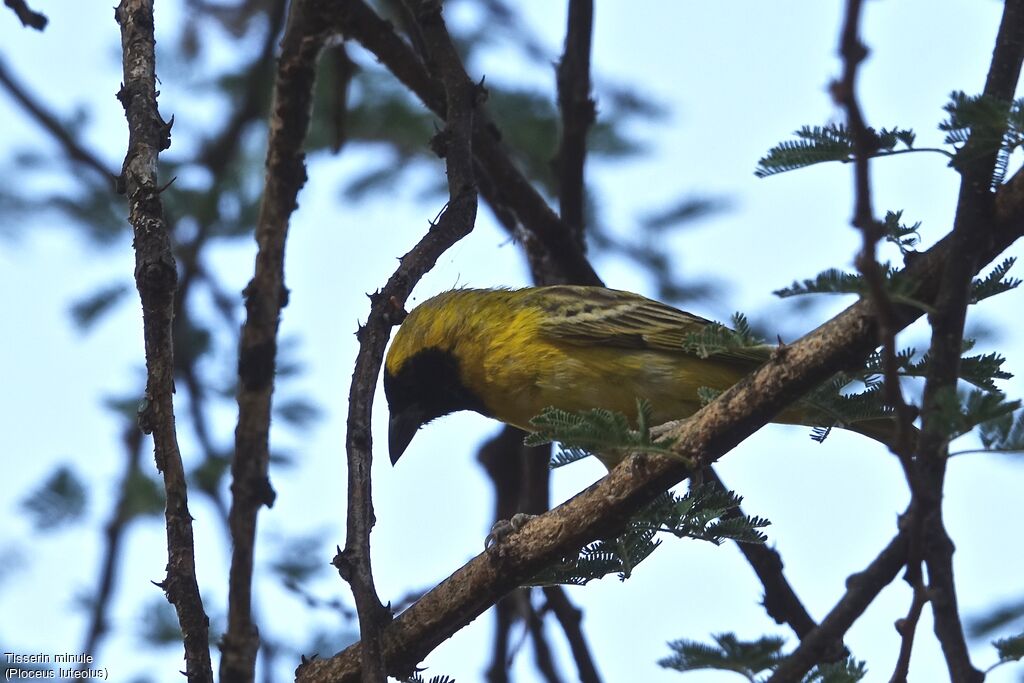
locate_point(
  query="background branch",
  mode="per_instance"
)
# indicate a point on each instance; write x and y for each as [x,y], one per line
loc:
[38,111]
[27,15]
[265,296]
[512,190]
[578,114]
[861,590]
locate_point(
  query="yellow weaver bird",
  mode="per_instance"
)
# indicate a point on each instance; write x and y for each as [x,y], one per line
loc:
[510,353]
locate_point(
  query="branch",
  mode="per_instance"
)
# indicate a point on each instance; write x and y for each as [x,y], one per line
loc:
[578,114]
[975,210]
[265,295]
[358,21]
[222,149]
[604,508]
[861,590]
[541,650]
[907,626]
[865,145]
[780,600]
[570,617]
[27,15]
[454,144]
[114,533]
[156,279]
[49,122]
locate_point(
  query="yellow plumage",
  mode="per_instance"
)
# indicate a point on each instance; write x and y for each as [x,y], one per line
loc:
[509,354]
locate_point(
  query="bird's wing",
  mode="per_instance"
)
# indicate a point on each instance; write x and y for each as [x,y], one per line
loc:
[595,316]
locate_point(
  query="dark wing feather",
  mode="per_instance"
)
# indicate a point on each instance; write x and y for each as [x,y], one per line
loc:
[595,316]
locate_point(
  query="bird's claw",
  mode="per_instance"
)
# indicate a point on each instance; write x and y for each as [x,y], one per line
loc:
[504,528]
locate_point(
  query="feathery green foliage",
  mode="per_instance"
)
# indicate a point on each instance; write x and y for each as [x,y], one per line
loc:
[993,125]
[835,281]
[706,513]
[417,678]
[995,282]
[752,659]
[598,430]
[834,142]
[1010,649]
[961,412]
[717,338]
[1004,433]
[729,653]
[906,237]
[59,500]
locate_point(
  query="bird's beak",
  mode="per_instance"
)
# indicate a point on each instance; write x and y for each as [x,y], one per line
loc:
[401,428]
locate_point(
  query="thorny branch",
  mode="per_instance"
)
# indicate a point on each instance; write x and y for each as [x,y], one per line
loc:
[156,279]
[457,220]
[865,145]
[265,296]
[853,53]
[861,590]
[976,209]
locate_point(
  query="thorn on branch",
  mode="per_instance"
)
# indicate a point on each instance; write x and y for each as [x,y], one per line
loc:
[439,143]
[480,92]
[165,133]
[343,564]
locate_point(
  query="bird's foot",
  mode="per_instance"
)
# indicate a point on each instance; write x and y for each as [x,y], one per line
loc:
[504,528]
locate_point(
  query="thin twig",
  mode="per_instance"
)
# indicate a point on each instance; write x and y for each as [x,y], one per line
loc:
[156,278]
[27,15]
[907,626]
[861,590]
[780,600]
[865,145]
[604,508]
[578,114]
[114,533]
[45,118]
[265,296]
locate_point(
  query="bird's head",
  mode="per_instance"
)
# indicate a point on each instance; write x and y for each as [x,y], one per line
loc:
[423,377]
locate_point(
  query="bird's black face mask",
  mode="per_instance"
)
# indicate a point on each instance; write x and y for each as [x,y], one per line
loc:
[427,386]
